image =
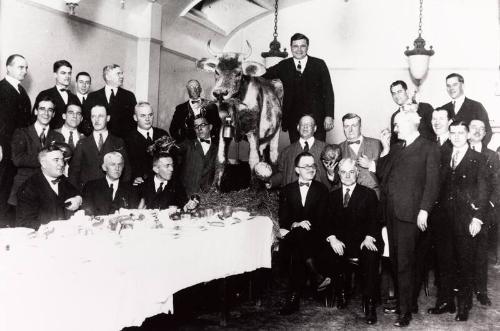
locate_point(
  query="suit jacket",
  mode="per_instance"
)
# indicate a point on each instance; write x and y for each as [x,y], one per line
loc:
[424,110]
[173,194]
[182,124]
[493,175]
[39,204]
[472,110]
[86,163]
[25,147]
[60,105]
[141,161]
[286,168]
[80,136]
[409,179]
[352,224]
[121,110]
[315,209]
[97,197]
[464,192]
[197,169]
[371,148]
[309,93]
[15,112]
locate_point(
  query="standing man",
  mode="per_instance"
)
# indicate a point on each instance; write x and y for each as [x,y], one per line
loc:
[307,89]
[15,112]
[286,172]
[60,93]
[477,133]
[139,140]
[302,209]
[463,108]
[47,195]
[86,164]
[399,93]
[119,102]
[409,177]
[83,82]
[181,126]
[28,141]
[364,150]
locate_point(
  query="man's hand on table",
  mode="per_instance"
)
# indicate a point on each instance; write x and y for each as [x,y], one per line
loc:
[74,203]
[191,204]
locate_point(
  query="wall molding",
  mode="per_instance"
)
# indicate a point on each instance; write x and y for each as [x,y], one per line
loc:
[180,54]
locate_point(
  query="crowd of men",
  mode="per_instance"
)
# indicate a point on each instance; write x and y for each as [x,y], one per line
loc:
[430,179]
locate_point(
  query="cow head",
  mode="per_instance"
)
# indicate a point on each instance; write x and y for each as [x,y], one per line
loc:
[229,69]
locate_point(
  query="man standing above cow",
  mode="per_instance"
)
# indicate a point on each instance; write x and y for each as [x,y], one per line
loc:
[307,89]
[119,102]
[364,150]
[399,93]
[181,126]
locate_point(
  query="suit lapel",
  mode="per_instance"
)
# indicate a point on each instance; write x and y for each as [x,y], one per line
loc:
[463,163]
[310,197]
[198,148]
[34,137]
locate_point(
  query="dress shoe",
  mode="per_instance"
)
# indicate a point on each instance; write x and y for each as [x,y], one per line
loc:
[323,285]
[403,320]
[391,309]
[445,307]
[370,311]
[483,299]
[462,315]
[341,300]
[291,306]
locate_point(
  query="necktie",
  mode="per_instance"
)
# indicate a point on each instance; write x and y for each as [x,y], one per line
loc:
[148,138]
[100,143]
[306,147]
[206,141]
[454,105]
[473,147]
[347,196]
[71,142]
[84,99]
[112,189]
[299,68]
[454,160]
[112,96]
[42,137]
[354,142]
[20,88]
[304,184]
[160,188]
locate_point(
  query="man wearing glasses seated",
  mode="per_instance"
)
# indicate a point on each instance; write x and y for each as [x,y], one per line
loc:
[302,208]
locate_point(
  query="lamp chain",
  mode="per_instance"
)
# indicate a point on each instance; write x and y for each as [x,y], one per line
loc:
[275,34]
[420,18]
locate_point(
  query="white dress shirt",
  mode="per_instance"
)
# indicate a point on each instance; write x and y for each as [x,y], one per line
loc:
[196,107]
[355,147]
[144,133]
[310,142]
[478,147]
[303,191]
[107,90]
[303,63]
[65,131]
[81,96]
[459,152]
[158,181]
[39,128]
[458,103]
[205,146]
[63,94]
[96,136]
[54,187]
[14,82]
[442,138]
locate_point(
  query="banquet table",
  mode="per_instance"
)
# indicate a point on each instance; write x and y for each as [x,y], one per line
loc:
[108,281]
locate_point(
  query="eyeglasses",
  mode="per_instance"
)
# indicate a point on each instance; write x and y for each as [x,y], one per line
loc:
[309,167]
[200,126]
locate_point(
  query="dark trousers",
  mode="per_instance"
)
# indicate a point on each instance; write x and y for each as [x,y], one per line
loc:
[481,260]
[402,246]
[296,248]
[423,262]
[320,133]
[7,173]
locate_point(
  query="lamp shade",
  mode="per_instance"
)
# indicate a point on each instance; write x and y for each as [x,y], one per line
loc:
[419,64]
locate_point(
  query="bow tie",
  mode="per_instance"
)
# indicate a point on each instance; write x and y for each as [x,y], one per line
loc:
[354,142]
[195,101]
[55,181]
[63,89]
[207,141]
[304,184]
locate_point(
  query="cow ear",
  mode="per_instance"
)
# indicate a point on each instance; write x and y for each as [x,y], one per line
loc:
[206,64]
[252,68]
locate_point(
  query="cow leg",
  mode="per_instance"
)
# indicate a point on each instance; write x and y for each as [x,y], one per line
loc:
[220,161]
[253,158]
[273,147]
[262,149]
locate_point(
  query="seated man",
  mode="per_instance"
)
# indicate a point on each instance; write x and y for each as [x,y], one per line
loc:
[161,190]
[302,208]
[198,158]
[106,195]
[86,163]
[352,235]
[47,195]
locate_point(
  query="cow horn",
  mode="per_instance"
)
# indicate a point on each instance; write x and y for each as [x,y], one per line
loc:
[211,51]
[249,52]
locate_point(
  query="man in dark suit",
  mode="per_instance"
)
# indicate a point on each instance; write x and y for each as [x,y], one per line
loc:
[15,112]
[83,82]
[72,117]
[60,93]
[28,141]
[462,202]
[364,150]
[399,93]
[409,177]
[352,235]
[86,163]
[302,208]
[307,89]
[463,108]
[162,190]
[139,140]
[181,126]
[119,102]
[198,158]
[477,133]
[106,195]
[47,195]
[286,172]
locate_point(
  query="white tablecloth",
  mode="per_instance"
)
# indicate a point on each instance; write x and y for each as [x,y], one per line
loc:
[107,282]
